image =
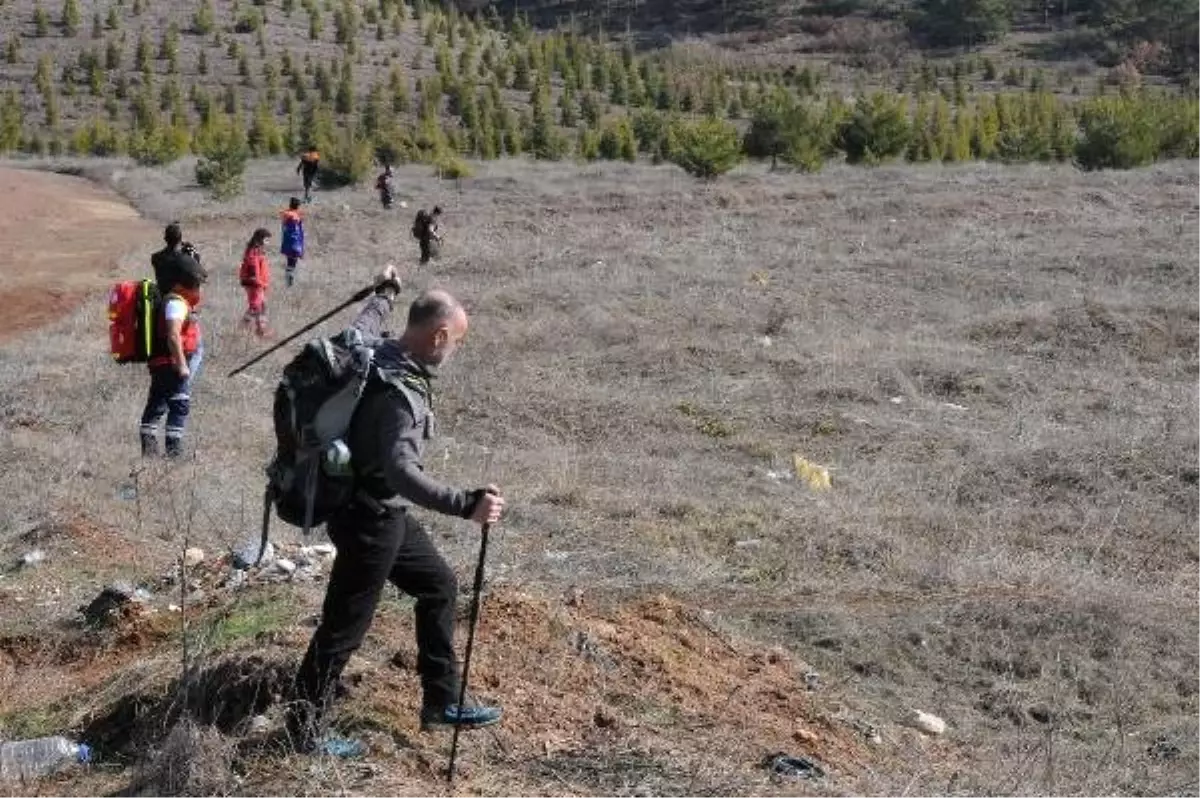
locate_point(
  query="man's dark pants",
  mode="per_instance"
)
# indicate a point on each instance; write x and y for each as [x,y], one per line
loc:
[428,251]
[372,551]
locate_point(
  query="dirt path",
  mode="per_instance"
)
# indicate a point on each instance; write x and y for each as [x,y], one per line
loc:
[61,237]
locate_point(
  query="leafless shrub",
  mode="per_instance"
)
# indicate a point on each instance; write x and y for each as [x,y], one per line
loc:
[192,760]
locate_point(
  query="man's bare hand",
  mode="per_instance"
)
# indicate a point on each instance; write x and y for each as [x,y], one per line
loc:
[389,278]
[489,507]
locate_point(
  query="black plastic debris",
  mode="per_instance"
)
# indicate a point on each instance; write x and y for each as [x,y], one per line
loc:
[793,767]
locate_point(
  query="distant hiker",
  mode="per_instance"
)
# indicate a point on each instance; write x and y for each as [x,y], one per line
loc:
[383,184]
[177,258]
[310,163]
[255,277]
[291,238]
[425,230]
[378,538]
[177,338]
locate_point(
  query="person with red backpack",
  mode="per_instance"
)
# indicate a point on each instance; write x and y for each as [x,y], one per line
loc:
[255,276]
[291,244]
[176,339]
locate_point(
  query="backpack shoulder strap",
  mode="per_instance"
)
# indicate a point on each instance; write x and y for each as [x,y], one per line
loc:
[418,406]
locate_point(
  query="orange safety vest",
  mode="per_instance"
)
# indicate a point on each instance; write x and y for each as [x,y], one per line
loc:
[189,333]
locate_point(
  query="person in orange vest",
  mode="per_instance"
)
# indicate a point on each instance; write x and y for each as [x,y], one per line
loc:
[177,337]
[291,243]
[310,162]
[255,276]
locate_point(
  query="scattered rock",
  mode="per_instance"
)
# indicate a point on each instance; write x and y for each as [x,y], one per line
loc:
[897,400]
[259,724]
[323,549]
[172,608]
[812,681]
[235,579]
[109,606]
[1041,713]
[245,556]
[795,767]
[193,557]
[765,340]
[805,736]
[32,558]
[748,543]
[573,597]
[284,566]
[927,723]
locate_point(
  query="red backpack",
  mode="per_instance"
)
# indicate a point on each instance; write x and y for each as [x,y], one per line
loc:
[131,320]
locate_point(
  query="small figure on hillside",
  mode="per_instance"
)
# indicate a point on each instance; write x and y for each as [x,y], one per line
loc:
[177,337]
[291,238]
[383,184]
[255,276]
[425,230]
[176,258]
[378,537]
[310,163]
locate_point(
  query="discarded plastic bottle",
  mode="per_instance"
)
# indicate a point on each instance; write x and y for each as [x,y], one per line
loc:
[28,759]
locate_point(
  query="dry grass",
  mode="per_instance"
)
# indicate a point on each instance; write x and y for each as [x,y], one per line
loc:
[997,364]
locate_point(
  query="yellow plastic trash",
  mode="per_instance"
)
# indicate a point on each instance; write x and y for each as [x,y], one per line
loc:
[817,476]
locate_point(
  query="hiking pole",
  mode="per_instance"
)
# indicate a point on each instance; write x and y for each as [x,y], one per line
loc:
[462,688]
[359,296]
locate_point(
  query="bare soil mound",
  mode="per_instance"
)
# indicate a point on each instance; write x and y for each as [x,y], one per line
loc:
[60,237]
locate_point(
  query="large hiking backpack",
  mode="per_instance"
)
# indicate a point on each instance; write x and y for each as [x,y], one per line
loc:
[132,317]
[310,477]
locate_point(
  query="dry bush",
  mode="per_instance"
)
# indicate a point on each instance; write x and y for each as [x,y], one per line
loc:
[192,760]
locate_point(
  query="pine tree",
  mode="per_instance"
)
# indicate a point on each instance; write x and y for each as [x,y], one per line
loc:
[112,21]
[12,122]
[398,87]
[344,102]
[41,20]
[70,17]
[202,20]
[960,144]
[568,115]
[141,57]
[589,109]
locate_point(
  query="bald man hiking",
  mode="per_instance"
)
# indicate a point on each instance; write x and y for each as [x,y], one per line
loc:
[378,538]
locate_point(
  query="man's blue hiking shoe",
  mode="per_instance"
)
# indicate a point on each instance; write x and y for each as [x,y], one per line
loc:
[463,717]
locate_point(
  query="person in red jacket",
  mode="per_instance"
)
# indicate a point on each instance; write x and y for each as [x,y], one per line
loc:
[255,277]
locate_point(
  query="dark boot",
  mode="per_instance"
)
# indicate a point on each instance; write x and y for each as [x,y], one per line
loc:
[149,446]
[174,447]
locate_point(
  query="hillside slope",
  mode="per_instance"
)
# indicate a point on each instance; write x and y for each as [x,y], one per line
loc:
[996,365]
